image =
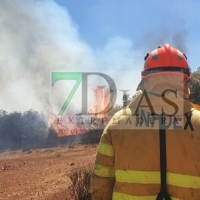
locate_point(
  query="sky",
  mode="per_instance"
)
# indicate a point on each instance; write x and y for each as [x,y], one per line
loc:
[39,37]
[145,23]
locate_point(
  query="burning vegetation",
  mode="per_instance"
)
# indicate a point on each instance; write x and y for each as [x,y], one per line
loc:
[96,118]
[31,130]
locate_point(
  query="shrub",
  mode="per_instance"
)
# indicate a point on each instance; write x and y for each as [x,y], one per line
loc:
[79,188]
[58,154]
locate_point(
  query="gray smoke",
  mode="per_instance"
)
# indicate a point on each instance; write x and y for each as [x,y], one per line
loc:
[39,37]
[36,38]
[160,36]
[155,38]
[179,40]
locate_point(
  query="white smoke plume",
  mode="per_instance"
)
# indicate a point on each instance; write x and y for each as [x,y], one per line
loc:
[39,37]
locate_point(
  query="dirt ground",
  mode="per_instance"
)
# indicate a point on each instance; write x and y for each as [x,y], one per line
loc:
[41,174]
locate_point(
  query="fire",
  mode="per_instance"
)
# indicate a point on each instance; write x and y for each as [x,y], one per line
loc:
[65,127]
[101,103]
[76,124]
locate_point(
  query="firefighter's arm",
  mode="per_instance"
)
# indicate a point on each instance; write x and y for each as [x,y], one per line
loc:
[103,177]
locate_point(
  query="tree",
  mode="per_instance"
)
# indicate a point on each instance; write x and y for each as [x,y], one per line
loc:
[18,130]
[194,86]
[34,125]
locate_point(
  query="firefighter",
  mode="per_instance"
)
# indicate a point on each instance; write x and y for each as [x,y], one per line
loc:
[150,150]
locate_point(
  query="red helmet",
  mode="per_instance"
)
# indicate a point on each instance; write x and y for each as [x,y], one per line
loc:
[166,60]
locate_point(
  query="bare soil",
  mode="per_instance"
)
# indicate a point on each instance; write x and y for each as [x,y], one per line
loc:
[41,174]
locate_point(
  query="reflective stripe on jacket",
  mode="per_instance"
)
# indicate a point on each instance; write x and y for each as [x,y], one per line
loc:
[127,163]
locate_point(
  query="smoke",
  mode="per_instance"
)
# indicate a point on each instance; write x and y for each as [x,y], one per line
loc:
[39,37]
[118,54]
[160,36]
[179,40]
[154,38]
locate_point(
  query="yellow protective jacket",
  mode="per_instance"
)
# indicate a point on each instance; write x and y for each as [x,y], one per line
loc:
[127,163]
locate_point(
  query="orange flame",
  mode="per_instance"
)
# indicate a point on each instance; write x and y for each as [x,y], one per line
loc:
[64,127]
[101,103]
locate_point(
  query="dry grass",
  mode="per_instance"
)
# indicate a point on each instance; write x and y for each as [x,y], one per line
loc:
[79,188]
[58,154]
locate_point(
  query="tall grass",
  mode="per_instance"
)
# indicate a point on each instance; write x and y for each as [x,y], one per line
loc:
[79,188]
